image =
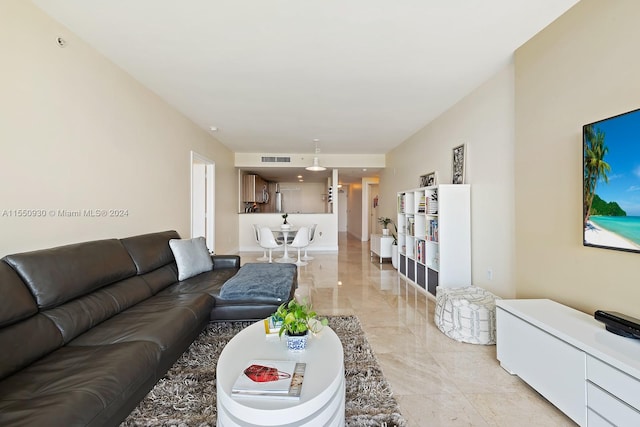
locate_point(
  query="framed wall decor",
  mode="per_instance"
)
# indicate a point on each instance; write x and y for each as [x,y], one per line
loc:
[611,212]
[429,179]
[458,164]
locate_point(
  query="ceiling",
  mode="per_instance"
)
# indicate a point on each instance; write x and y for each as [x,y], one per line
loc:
[361,76]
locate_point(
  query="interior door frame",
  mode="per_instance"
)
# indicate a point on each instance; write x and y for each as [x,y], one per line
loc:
[197,196]
[367,196]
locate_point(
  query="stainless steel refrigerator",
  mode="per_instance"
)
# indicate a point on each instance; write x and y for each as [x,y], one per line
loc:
[278,199]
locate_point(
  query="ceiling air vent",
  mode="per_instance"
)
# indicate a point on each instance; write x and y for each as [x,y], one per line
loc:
[276,159]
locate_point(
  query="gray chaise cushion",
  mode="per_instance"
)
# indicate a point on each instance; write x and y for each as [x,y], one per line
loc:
[260,280]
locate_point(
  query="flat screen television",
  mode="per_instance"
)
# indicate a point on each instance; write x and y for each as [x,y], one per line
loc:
[611,182]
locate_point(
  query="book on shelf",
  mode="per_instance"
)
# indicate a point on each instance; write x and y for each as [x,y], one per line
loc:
[401,203]
[420,251]
[421,204]
[432,230]
[274,379]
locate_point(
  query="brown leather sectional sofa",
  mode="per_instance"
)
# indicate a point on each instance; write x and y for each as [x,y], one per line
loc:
[86,330]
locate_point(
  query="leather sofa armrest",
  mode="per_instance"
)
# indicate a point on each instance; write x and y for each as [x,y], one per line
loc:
[225,261]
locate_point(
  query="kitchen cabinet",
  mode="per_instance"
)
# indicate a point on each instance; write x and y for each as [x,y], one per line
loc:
[255,189]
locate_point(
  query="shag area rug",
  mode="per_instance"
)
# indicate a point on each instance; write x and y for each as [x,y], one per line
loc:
[186,396]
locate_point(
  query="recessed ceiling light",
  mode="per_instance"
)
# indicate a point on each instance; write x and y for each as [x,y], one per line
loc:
[213,128]
[299,176]
[364,170]
[315,140]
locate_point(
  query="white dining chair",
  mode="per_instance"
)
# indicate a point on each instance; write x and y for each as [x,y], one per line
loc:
[268,242]
[312,238]
[300,241]
[256,232]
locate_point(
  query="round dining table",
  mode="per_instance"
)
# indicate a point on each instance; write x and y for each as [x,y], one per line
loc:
[285,235]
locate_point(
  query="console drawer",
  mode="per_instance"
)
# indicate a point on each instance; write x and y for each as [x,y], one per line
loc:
[595,420]
[609,408]
[614,381]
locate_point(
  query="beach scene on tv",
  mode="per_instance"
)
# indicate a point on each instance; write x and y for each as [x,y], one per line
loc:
[611,211]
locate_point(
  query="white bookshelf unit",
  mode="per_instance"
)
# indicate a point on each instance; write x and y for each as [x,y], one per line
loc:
[434,236]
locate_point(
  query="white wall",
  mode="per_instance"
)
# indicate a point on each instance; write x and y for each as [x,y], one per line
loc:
[305,197]
[484,121]
[79,134]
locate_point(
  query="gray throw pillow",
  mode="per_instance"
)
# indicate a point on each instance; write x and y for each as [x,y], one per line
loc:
[192,256]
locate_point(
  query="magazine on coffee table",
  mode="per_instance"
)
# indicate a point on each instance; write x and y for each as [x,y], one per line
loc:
[276,379]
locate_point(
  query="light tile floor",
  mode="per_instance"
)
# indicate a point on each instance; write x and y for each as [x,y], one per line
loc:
[436,380]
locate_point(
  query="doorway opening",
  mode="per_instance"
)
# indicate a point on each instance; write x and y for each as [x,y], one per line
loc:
[202,199]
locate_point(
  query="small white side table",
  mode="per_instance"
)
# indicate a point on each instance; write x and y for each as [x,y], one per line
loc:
[381,246]
[322,401]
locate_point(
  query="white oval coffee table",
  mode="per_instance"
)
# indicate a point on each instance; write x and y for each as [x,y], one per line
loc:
[322,400]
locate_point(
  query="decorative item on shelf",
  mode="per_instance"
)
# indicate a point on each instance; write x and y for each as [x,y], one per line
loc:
[432,203]
[457,166]
[299,319]
[285,225]
[429,180]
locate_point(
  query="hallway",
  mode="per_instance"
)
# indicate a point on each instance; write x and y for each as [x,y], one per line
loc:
[436,380]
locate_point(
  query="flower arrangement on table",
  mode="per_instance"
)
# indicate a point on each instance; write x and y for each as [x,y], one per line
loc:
[298,318]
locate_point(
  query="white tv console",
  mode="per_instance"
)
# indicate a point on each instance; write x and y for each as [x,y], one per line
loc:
[589,373]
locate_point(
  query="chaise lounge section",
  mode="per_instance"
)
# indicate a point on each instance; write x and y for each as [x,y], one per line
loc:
[87,329]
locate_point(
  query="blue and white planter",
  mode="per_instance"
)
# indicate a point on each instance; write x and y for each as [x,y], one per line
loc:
[297,342]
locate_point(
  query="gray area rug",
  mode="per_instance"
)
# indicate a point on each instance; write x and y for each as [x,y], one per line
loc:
[186,396]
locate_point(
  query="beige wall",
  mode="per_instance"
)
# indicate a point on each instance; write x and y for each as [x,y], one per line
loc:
[483,121]
[582,68]
[79,133]
[305,197]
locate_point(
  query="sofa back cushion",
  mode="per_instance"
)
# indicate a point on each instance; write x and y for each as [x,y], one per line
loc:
[150,251]
[60,274]
[78,316]
[25,336]
[16,302]
[27,341]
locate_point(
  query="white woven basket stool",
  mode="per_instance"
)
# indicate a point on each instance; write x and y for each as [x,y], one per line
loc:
[466,314]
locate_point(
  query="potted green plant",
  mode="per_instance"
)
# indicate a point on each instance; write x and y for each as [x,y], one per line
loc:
[394,246]
[298,319]
[385,223]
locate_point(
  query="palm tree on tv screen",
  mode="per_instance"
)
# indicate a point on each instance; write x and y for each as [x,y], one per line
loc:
[595,168]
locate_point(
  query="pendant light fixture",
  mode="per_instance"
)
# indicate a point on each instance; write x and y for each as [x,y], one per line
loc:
[315,167]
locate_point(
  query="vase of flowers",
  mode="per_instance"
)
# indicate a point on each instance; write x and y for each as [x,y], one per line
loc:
[285,225]
[298,320]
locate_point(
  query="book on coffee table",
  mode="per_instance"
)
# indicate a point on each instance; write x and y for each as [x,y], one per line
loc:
[272,326]
[276,379]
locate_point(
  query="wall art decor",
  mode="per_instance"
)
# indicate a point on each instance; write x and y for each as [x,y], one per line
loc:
[611,179]
[429,179]
[458,164]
